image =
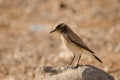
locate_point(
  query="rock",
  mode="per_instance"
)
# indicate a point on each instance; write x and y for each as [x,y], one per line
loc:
[83,72]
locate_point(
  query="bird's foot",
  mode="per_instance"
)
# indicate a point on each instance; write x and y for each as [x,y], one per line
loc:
[76,66]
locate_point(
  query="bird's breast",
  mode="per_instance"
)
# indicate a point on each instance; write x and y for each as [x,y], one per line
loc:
[65,41]
[69,44]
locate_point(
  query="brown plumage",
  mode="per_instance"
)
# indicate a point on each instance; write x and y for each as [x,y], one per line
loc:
[73,41]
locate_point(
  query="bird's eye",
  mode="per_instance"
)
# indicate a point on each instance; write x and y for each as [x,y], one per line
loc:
[59,27]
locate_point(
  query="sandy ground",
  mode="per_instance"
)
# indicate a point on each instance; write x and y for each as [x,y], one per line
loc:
[25,41]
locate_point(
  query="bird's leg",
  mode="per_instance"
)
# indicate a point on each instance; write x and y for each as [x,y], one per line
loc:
[72,59]
[78,61]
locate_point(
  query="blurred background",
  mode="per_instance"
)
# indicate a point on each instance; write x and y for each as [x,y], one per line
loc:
[25,41]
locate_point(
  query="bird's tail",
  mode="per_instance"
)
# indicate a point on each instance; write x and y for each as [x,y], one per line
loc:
[97,58]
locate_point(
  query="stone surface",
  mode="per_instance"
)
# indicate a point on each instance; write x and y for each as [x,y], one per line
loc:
[83,72]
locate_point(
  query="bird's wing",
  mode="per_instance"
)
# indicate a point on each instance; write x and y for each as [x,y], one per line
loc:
[75,39]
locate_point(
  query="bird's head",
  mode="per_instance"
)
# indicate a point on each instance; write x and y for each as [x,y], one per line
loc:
[60,28]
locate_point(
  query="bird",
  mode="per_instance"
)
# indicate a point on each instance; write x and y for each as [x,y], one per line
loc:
[73,42]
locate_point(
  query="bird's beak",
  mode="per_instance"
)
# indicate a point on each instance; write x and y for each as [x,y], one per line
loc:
[53,31]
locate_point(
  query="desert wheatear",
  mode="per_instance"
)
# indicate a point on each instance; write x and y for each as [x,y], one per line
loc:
[73,42]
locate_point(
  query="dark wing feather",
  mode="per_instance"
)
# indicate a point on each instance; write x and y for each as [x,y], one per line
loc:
[85,47]
[80,43]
